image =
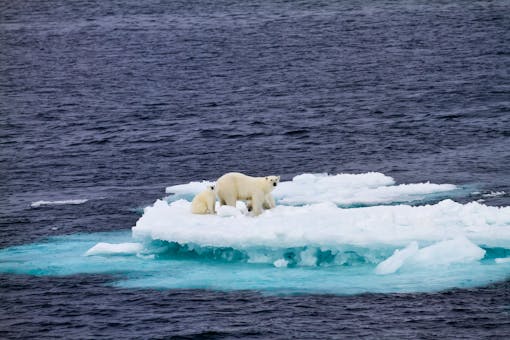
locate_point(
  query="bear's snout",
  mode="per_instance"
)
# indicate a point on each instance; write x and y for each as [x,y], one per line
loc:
[274,184]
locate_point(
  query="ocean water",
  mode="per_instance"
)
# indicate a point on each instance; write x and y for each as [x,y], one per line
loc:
[388,122]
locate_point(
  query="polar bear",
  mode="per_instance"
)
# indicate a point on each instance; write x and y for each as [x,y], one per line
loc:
[235,186]
[203,203]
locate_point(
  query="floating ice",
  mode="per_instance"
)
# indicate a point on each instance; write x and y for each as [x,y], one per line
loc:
[172,266]
[327,226]
[63,202]
[346,189]
[315,240]
[459,250]
[104,248]
[494,194]
[343,189]
[393,263]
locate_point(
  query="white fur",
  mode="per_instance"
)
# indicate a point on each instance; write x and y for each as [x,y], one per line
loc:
[235,186]
[267,204]
[203,203]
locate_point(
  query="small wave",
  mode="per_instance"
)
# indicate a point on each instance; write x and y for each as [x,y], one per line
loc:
[63,202]
[297,133]
[494,194]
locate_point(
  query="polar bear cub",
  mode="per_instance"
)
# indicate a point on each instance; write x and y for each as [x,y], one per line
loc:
[235,186]
[203,203]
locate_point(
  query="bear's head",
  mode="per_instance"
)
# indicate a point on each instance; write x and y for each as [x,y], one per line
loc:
[273,180]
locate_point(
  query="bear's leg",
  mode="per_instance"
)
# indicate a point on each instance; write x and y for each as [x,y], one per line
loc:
[257,201]
[249,206]
[230,200]
[269,202]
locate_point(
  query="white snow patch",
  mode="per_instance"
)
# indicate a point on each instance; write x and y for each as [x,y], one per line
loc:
[326,225]
[345,189]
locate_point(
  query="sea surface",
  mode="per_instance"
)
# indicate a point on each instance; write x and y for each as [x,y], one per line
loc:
[105,104]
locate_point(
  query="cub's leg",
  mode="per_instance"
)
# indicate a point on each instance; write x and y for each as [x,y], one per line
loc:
[210,206]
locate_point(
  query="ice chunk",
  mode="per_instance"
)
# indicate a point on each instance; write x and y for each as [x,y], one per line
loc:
[308,257]
[63,202]
[103,248]
[458,250]
[393,263]
[494,194]
[281,263]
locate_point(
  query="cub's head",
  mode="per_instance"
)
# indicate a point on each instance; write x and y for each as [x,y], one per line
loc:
[273,180]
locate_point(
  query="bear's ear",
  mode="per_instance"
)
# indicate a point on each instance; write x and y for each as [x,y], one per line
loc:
[278,178]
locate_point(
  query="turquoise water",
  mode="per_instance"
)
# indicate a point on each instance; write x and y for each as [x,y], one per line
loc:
[167,265]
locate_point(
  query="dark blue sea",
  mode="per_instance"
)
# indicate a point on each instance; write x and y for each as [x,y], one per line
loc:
[104,104]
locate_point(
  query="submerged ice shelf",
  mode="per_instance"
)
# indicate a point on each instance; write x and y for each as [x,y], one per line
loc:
[169,265]
[311,242]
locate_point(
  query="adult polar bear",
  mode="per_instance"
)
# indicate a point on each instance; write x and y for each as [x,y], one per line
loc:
[235,186]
